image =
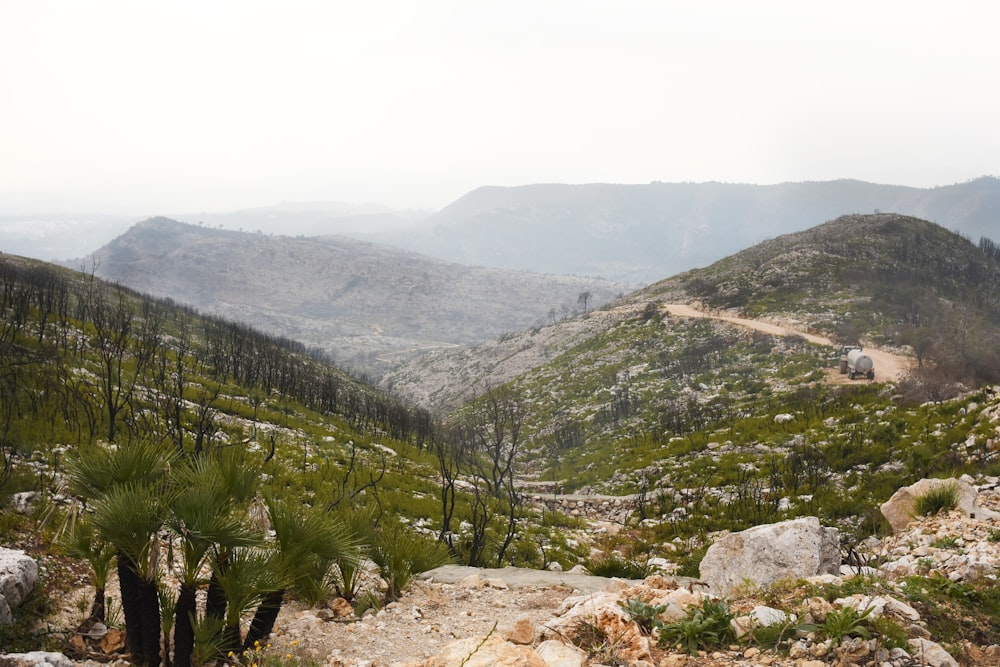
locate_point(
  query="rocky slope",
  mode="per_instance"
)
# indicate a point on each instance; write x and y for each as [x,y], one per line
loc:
[366,305]
[516,617]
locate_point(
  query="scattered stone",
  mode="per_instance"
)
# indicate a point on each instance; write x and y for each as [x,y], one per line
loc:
[522,632]
[558,654]
[35,659]
[24,502]
[341,608]
[112,642]
[931,654]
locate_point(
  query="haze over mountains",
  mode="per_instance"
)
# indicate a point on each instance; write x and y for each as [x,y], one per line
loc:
[372,306]
[636,234]
[644,233]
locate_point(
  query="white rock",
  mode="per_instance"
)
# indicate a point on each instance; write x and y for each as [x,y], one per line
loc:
[36,659]
[763,555]
[557,654]
[765,616]
[18,574]
[931,654]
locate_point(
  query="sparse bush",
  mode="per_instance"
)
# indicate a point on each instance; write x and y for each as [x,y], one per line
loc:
[599,646]
[706,626]
[620,567]
[939,499]
[892,634]
[689,564]
[644,614]
[840,624]
[400,553]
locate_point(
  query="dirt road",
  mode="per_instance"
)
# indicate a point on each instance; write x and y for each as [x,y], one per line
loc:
[888,366]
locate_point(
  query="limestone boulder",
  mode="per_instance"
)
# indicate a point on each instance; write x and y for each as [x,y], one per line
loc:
[18,574]
[763,555]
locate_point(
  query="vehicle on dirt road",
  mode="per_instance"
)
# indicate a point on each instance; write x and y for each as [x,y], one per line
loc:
[854,362]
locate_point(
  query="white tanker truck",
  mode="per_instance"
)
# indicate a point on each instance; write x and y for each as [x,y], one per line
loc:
[854,362]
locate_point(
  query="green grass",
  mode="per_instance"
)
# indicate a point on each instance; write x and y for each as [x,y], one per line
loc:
[939,499]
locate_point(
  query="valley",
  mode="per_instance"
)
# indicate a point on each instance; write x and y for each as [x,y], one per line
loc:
[623,439]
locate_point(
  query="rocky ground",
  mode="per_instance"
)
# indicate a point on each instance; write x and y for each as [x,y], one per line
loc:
[466,617]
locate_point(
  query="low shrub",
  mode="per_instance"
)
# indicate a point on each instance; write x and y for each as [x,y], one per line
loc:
[939,499]
[705,627]
[644,614]
[620,567]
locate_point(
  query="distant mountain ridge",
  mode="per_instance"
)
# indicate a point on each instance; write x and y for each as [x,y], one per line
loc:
[365,304]
[644,233]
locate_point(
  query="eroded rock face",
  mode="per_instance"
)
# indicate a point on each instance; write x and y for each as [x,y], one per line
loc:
[18,574]
[765,554]
[899,509]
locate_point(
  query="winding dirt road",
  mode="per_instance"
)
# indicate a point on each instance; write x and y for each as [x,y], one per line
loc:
[888,366]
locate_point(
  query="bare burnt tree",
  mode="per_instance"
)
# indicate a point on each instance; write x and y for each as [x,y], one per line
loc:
[125,349]
[449,458]
[488,442]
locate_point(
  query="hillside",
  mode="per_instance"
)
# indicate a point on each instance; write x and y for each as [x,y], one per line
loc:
[366,305]
[883,279]
[670,429]
[643,233]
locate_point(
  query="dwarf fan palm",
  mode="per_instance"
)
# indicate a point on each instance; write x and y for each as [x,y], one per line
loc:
[248,577]
[81,541]
[125,486]
[205,518]
[307,544]
[129,516]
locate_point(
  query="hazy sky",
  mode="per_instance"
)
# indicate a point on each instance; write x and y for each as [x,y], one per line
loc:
[176,106]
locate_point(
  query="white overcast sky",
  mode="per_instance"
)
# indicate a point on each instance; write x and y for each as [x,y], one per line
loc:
[155,107]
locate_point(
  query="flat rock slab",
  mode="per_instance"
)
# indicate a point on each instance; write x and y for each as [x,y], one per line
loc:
[519,577]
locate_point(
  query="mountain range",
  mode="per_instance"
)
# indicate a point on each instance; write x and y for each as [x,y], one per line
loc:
[644,233]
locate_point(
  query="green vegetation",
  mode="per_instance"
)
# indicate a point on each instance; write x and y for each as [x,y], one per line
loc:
[840,624]
[705,627]
[939,499]
[956,611]
[643,613]
[618,566]
[158,422]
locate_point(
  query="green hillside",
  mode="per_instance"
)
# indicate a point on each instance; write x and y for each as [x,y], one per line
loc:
[889,279]
[721,426]
[133,427]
